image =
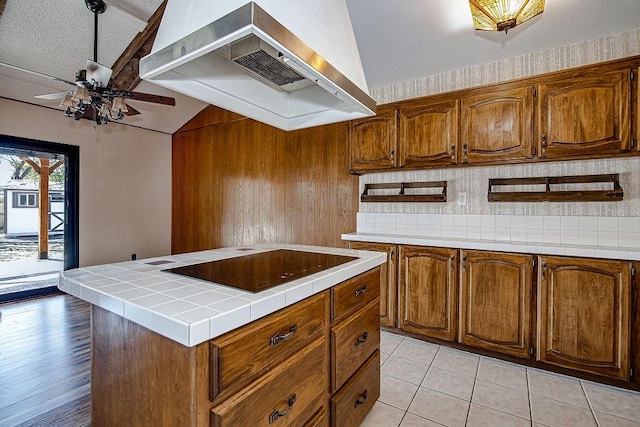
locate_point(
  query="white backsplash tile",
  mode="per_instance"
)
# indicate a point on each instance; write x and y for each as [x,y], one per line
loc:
[609,232]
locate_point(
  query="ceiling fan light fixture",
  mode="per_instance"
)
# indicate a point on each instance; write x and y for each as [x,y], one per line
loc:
[67,102]
[119,104]
[502,15]
[81,95]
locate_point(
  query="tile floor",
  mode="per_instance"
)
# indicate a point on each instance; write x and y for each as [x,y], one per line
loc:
[425,384]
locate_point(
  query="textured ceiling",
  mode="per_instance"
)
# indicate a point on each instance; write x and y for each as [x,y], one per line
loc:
[399,40]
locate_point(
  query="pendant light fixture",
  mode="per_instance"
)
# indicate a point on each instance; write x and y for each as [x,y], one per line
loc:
[501,15]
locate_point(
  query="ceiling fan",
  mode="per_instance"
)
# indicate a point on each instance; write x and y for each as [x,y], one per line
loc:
[95,97]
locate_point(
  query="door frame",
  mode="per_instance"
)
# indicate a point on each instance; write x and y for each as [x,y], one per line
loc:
[26,146]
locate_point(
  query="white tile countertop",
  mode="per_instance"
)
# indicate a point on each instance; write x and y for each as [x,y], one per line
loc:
[192,311]
[578,250]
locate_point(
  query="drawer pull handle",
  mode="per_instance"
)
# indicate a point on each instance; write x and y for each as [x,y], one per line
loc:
[283,337]
[362,339]
[277,414]
[361,399]
[361,291]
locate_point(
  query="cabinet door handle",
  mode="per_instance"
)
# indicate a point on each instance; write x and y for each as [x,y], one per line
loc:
[361,291]
[464,263]
[544,271]
[544,143]
[362,339]
[465,146]
[277,414]
[453,258]
[453,153]
[283,337]
[393,153]
[361,399]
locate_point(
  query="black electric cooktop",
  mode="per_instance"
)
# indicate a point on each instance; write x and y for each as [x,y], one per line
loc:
[257,272]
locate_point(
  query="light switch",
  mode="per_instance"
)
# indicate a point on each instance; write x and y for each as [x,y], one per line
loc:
[462,199]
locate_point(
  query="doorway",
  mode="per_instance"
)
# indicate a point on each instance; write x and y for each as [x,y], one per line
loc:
[39,234]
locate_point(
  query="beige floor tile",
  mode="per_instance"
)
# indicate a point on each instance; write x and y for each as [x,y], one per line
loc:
[621,403]
[383,357]
[404,369]
[439,407]
[607,420]
[412,420]
[396,392]
[383,415]
[481,416]
[504,399]
[389,342]
[417,351]
[455,361]
[448,382]
[505,374]
[559,414]
[557,387]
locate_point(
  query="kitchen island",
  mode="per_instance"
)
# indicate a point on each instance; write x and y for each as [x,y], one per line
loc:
[173,350]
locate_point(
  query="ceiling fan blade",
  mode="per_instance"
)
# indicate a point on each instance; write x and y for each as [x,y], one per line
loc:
[148,97]
[56,95]
[131,111]
[98,73]
[35,73]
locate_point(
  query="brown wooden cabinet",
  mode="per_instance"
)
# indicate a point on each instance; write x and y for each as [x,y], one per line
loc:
[585,116]
[428,291]
[585,112]
[388,281]
[584,309]
[497,126]
[495,301]
[373,141]
[428,134]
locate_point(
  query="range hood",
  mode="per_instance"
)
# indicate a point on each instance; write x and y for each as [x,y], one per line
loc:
[289,63]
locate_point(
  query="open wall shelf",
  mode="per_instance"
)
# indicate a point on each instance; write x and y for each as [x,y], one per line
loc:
[548,194]
[406,192]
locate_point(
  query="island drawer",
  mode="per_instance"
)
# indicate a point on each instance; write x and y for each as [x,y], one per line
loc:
[319,419]
[354,294]
[352,403]
[353,341]
[288,395]
[244,354]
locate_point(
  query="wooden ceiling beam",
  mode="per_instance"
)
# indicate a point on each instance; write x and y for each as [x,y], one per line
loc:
[126,75]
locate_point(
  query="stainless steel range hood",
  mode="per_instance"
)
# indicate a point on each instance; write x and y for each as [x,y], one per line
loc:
[288,63]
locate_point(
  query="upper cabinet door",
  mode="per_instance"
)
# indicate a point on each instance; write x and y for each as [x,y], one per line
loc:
[585,117]
[429,134]
[584,308]
[497,126]
[373,142]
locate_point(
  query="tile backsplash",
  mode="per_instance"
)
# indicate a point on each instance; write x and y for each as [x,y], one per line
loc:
[602,231]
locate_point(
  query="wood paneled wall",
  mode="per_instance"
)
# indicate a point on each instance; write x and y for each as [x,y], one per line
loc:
[237,182]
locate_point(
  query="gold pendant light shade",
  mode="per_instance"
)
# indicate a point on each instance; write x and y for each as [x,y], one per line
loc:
[501,15]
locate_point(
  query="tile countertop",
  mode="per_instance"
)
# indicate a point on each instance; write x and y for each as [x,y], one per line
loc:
[191,311]
[588,251]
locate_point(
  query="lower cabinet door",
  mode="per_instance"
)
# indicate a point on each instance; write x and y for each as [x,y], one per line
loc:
[496,294]
[428,291]
[584,308]
[388,290]
[352,403]
[290,394]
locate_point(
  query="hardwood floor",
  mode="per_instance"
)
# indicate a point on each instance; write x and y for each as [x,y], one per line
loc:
[45,362]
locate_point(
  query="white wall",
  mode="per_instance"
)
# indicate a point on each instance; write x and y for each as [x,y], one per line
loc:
[125,181]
